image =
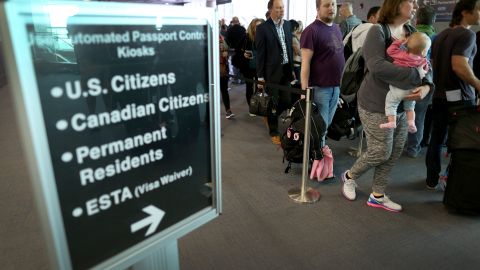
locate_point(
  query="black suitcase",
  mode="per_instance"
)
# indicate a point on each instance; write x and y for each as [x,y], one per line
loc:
[462,193]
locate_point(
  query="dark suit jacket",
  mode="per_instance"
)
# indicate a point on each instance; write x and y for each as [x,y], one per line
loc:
[269,50]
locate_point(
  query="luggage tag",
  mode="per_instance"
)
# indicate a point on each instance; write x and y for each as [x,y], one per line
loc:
[453,95]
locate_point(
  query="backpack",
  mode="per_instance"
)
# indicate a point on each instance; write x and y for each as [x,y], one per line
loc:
[344,123]
[352,77]
[292,140]
[347,46]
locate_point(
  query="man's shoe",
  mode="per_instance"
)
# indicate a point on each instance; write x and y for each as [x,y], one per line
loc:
[229,115]
[348,187]
[411,154]
[276,140]
[442,182]
[384,203]
[431,187]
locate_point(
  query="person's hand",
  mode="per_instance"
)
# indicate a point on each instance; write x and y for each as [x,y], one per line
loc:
[260,85]
[418,93]
[422,72]
[340,103]
[248,55]
[304,95]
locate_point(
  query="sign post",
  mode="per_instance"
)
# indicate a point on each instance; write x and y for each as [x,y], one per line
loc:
[117,107]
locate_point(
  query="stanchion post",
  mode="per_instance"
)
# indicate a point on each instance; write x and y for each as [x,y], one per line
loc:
[305,194]
[357,152]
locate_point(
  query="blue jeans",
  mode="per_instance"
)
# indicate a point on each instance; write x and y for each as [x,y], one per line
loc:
[326,99]
[414,139]
[439,132]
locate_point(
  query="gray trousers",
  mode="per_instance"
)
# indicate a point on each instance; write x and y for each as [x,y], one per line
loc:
[384,147]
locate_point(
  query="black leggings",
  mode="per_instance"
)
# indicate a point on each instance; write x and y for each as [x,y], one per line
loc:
[249,74]
[224,91]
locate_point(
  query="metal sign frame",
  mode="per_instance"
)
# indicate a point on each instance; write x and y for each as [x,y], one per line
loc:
[22,82]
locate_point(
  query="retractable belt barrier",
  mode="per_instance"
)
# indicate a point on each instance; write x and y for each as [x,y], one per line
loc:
[303,194]
[276,86]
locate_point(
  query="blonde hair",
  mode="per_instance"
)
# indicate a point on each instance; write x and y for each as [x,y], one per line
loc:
[252,26]
[418,43]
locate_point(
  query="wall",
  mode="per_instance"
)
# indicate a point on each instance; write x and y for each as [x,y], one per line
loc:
[304,10]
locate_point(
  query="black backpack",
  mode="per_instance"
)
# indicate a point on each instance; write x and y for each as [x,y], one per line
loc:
[292,140]
[348,47]
[344,123]
[352,76]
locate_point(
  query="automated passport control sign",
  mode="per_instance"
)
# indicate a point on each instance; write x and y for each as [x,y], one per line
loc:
[114,110]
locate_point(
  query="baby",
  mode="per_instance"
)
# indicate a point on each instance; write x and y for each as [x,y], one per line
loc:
[406,54]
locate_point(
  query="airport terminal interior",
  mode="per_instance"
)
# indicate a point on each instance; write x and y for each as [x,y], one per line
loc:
[260,226]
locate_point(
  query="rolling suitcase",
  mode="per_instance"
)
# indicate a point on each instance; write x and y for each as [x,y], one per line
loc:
[462,193]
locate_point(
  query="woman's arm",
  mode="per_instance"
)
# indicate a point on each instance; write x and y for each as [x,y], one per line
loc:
[374,53]
[305,71]
[296,47]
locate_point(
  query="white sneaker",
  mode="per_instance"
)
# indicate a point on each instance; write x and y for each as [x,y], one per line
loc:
[384,203]
[348,187]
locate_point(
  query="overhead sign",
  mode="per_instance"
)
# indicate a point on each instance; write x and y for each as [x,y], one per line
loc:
[443,8]
[124,106]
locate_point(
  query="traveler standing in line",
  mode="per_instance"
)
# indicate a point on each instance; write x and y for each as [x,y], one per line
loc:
[323,60]
[249,52]
[235,35]
[452,55]
[224,77]
[360,32]
[425,19]
[350,20]
[297,56]
[476,60]
[384,146]
[223,28]
[273,41]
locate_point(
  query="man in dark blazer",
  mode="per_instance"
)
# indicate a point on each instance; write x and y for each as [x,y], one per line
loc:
[273,41]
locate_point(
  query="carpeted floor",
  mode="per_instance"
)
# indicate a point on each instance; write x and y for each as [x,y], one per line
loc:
[261,228]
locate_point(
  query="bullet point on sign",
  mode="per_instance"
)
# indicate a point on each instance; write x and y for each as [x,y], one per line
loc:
[77,212]
[56,92]
[62,125]
[105,91]
[85,94]
[67,157]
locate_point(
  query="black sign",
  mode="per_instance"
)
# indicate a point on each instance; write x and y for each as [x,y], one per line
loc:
[443,8]
[127,122]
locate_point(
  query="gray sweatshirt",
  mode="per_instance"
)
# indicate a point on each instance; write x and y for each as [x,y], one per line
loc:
[381,73]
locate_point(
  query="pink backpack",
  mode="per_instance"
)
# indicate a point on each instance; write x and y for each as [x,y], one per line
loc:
[323,169]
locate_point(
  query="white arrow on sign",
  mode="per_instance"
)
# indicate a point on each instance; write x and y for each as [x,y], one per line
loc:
[153,220]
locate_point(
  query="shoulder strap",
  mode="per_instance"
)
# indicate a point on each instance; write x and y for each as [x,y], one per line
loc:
[410,29]
[348,38]
[388,35]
